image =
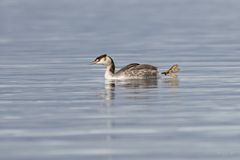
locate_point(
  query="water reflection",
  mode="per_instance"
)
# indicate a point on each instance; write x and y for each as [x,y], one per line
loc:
[109,90]
[137,85]
[170,82]
[110,86]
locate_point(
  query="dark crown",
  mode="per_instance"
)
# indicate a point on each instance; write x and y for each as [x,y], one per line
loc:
[102,56]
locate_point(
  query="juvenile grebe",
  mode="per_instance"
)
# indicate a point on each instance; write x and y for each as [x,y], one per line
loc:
[133,70]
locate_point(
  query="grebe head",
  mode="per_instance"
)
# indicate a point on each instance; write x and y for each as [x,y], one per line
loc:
[103,59]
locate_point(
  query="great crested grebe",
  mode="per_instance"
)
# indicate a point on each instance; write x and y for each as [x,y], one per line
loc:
[133,70]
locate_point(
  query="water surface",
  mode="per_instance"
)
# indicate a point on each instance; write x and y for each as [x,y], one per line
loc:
[55,105]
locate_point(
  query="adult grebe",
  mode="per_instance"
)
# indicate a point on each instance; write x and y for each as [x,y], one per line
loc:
[133,70]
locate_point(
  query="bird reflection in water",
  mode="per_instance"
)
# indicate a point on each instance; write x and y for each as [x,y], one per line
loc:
[110,85]
[170,82]
[139,84]
[109,90]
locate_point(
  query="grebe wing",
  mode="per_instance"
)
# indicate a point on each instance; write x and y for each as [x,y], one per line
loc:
[127,67]
[145,66]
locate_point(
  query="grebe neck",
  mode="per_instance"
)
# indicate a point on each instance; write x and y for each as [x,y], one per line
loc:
[110,70]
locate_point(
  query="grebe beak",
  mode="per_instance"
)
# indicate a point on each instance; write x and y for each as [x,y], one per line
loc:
[93,62]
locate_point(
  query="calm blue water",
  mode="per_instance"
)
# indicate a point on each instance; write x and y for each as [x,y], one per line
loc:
[55,105]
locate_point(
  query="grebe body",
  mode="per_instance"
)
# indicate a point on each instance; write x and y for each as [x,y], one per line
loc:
[131,71]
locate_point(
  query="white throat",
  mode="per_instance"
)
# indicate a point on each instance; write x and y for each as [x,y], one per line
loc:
[108,73]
